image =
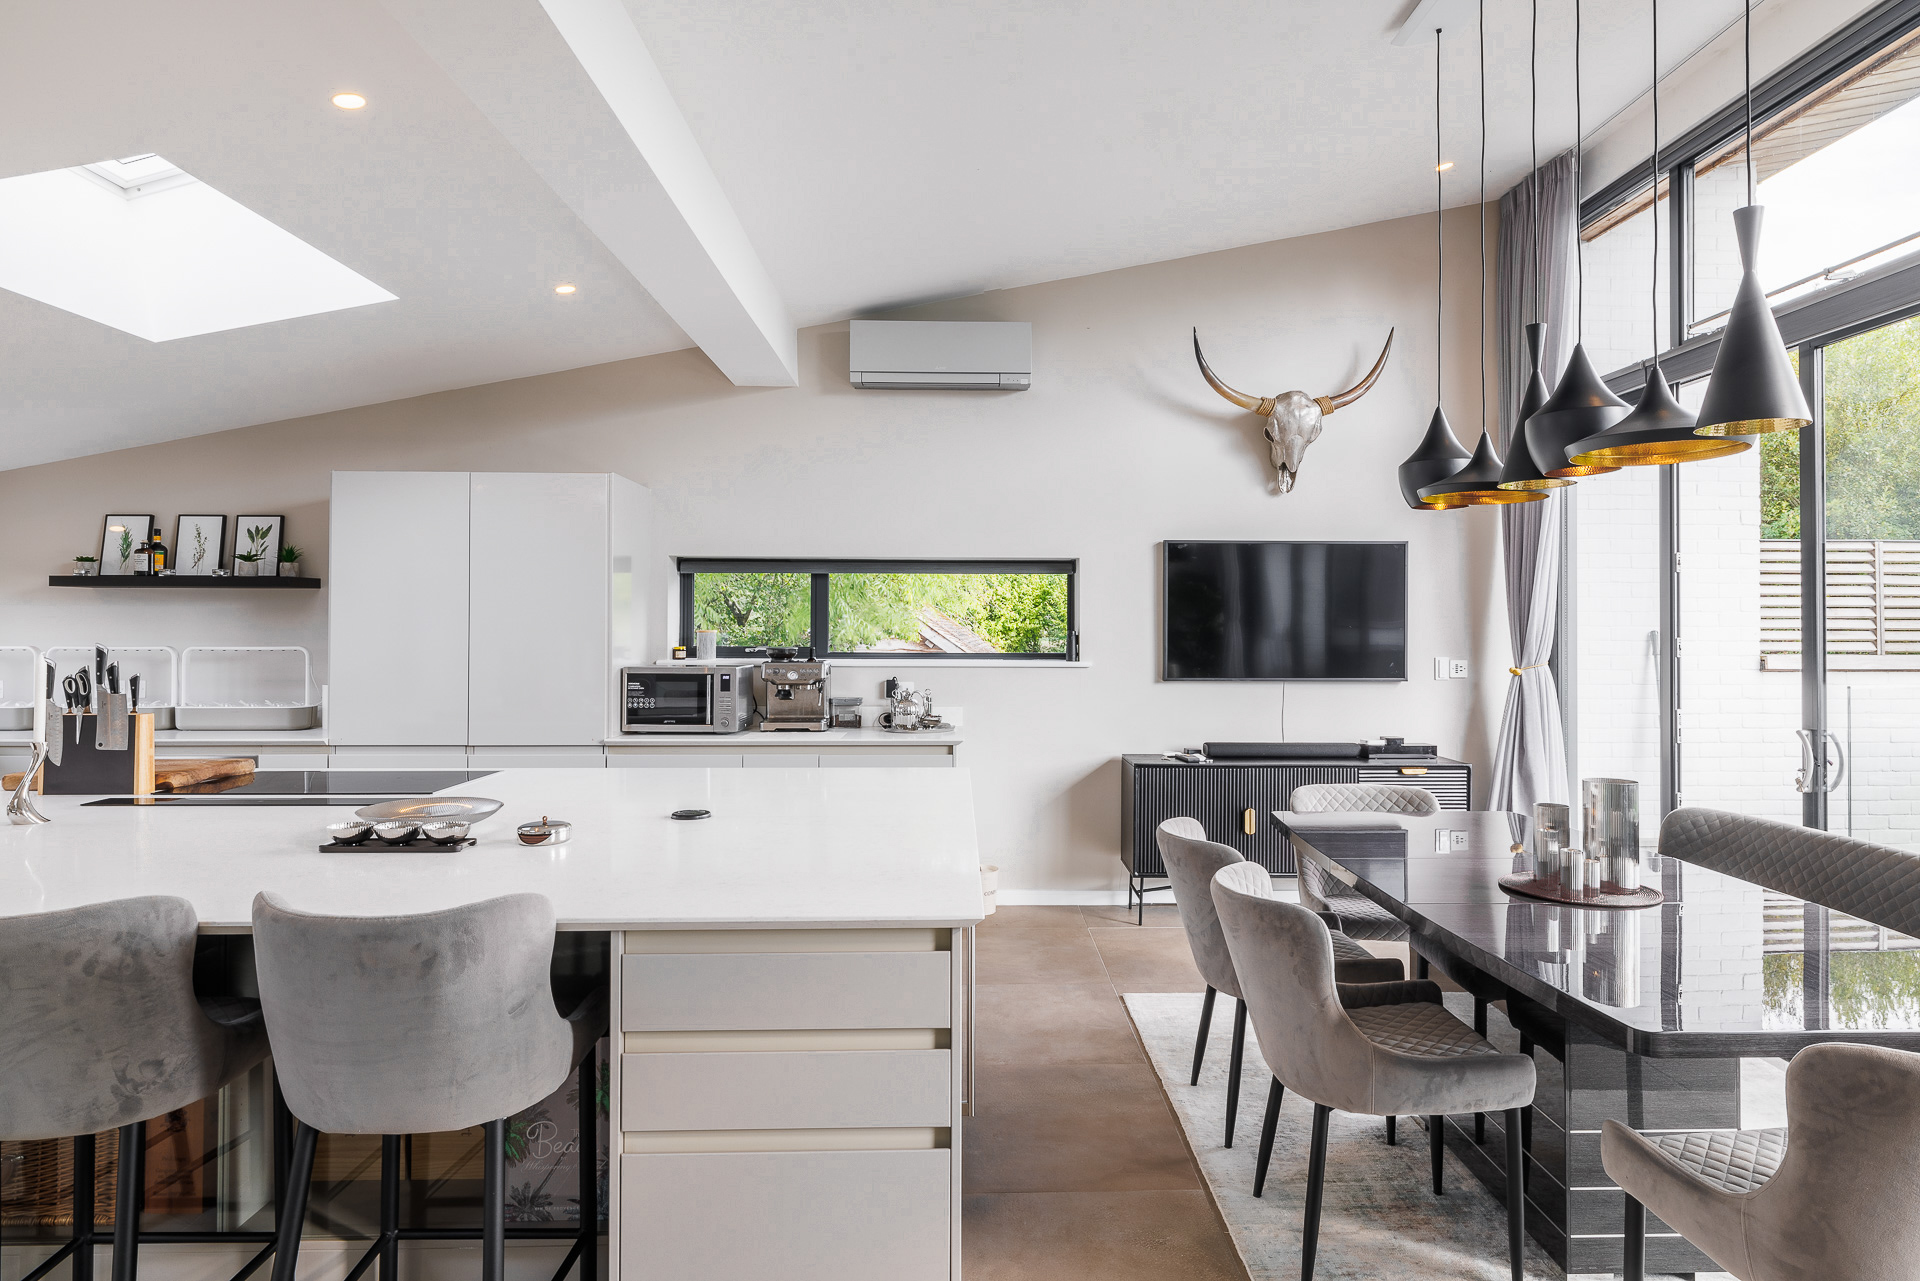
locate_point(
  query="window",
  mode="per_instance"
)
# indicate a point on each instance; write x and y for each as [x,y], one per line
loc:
[1012,610]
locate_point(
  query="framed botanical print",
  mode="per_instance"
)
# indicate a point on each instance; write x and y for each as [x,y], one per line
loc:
[119,536]
[197,541]
[256,545]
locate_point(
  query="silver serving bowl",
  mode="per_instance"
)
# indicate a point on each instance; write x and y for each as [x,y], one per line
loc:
[351,832]
[396,831]
[463,809]
[444,833]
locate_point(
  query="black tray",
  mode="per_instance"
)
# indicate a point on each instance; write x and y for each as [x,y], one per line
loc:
[374,843]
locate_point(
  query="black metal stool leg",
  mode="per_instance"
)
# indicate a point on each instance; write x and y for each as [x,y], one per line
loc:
[1516,1196]
[1200,1042]
[389,1207]
[1393,1134]
[293,1208]
[1275,1093]
[493,1240]
[129,1197]
[1437,1149]
[1316,1184]
[590,1165]
[1233,1068]
[1634,1266]
[1420,967]
[85,1147]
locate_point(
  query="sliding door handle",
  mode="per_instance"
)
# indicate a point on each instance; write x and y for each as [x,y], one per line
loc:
[1836,763]
[1803,781]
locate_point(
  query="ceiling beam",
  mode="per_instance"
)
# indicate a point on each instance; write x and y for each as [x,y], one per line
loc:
[571,86]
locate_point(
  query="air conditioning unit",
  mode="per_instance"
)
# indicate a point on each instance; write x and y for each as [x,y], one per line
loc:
[955,355]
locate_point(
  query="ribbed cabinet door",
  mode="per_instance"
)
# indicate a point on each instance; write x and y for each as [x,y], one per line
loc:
[1208,793]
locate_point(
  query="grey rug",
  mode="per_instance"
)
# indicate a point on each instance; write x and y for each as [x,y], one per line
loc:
[1379,1217]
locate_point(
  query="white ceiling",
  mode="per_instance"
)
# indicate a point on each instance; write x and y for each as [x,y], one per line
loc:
[876,152]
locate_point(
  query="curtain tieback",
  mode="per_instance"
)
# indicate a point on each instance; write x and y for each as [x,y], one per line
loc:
[1515,671]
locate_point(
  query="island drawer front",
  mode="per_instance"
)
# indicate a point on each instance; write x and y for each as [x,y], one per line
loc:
[777,991]
[813,1216]
[771,1090]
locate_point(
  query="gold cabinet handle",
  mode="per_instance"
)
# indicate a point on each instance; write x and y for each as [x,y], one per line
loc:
[1246,822]
[1413,769]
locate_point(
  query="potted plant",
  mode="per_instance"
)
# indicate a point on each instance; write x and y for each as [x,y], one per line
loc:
[289,561]
[86,566]
[246,564]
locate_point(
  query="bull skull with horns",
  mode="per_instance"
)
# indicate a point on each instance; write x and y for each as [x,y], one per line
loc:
[1293,417]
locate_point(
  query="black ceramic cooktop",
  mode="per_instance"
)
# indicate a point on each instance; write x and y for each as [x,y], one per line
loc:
[310,787]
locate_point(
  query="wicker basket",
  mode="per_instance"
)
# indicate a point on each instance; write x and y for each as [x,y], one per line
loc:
[36,1182]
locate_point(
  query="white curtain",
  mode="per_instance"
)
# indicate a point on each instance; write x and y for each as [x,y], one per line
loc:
[1536,283]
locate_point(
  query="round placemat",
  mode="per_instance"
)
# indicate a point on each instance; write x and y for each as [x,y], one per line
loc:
[1554,892]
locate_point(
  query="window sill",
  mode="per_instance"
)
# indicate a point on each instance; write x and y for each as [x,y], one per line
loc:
[914,664]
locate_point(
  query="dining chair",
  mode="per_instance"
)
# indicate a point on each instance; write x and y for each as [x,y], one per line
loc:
[1360,917]
[1830,1196]
[1382,1049]
[396,1025]
[1191,861]
[104,1031]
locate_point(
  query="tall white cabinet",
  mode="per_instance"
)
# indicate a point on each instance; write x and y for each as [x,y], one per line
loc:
[483,609]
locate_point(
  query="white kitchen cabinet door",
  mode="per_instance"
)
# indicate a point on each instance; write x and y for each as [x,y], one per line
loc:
[539,586]
[397,608]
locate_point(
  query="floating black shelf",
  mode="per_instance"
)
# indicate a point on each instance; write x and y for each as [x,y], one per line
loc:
[176,580]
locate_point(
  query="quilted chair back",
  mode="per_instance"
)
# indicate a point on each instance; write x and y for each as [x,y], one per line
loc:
[1362,798]
[1876,883]
[1191,860]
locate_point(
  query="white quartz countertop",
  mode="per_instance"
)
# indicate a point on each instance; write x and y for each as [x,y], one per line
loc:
[785,848]
[791,740]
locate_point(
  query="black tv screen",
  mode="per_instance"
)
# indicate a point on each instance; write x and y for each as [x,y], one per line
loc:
[1286,611]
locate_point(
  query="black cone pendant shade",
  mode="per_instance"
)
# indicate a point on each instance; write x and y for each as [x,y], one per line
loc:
[1478,483]
[1580,407]
[1657,431]
[1753,388]
[1520,472]
[1438,456]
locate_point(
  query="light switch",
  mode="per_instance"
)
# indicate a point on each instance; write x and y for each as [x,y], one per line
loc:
[1440,841]
[1457,668]
[1440,666]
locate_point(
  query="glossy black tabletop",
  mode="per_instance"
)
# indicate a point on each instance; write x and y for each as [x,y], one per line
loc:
[1723,967]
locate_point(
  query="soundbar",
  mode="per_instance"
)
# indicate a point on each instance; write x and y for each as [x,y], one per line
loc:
[1285,751]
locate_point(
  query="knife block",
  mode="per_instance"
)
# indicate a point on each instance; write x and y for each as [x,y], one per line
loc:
[86,771]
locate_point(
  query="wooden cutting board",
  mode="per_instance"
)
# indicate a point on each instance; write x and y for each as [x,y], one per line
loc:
[173,775]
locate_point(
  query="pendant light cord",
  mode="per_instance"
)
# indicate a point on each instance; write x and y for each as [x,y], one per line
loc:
[1439,239]
[1579,177]
[1533,174]
[1483,215]
[1747,52]
[1653,169]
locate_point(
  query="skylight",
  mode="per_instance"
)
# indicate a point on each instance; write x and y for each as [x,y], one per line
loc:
[148,249]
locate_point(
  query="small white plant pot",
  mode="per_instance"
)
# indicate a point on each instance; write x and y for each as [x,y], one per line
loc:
[246,569]
[289,569]
[86,569]
[989,887]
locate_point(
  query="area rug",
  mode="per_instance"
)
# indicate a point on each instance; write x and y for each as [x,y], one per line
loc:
[1379,1217]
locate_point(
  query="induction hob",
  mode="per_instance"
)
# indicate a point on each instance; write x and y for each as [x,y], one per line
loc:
[310,787]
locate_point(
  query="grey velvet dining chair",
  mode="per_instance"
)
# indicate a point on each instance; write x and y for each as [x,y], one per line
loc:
[1360,917]
[1830,1196]
[395,1025]
[1382,1049]
[100,1028]
[1191,860]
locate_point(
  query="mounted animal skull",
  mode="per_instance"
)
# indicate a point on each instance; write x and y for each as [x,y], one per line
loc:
[1293,417]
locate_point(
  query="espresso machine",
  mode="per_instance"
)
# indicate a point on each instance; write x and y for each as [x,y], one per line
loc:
[796,694]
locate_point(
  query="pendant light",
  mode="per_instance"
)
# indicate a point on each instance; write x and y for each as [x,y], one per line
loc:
[1520,471]
[1439,453]
[1478,483]
[1658,431]
[1582,405]
[1753,388]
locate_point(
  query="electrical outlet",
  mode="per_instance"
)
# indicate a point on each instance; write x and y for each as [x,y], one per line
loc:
[1440,666]
[1459,839]
[1457,668]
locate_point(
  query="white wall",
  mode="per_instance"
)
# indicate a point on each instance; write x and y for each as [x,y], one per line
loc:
[1118,446]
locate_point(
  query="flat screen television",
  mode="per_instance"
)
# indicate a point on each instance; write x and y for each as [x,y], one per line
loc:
[1285,611]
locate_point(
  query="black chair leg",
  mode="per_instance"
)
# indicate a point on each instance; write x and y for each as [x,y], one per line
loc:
[1437,1148]
[389,1207]
[1393,1135]
[1516,1196]
[1200,1042]
[293,1207]
[1634,1248]
[128,1198]
[1421,969]
[1480,1026]
[84,1149]
[1267,1125]
[1316,1183]
[493,1227]
[1526,1113]
[590,1165]
[1233,1068]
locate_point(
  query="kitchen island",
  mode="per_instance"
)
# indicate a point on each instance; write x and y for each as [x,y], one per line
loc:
[788,980]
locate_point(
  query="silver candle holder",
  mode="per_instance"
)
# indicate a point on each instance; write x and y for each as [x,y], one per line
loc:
[1552,835]
[1610,809]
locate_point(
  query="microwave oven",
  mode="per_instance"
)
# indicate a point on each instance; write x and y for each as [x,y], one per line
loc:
[686,698]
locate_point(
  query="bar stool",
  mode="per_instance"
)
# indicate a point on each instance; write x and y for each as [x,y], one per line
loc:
[1377,1050]
[394,1025]
[1830,1196]
[102,1030]
[1191,861]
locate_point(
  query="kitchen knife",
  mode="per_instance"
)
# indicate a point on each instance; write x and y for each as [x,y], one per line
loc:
[133,694]
[110,727]
[99,676]
[56,741]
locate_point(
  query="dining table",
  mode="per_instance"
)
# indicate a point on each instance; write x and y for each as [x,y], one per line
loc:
[1670,1017]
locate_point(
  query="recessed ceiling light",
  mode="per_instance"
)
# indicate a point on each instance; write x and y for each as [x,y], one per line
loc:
[1443,166]
[563,289]
[349,101]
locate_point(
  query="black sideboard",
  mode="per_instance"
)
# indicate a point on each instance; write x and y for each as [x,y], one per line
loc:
[1232,799]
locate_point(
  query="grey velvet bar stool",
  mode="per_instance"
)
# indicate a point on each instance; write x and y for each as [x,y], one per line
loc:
[1381,1049]
[100,1028]
[1830,1196]
[1191,861]
[395,1025]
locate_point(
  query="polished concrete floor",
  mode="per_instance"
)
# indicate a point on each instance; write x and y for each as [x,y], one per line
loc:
[1075,1167]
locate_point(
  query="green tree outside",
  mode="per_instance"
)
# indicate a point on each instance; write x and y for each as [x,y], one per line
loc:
[1015,613]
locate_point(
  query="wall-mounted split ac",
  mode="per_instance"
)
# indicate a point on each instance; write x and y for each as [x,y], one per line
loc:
[954,355]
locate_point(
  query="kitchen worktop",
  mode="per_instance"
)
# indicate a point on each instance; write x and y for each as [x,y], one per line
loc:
[785,848]
[791,739]
[202,737]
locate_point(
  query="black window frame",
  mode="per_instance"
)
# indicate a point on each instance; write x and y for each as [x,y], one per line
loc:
[821,573]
